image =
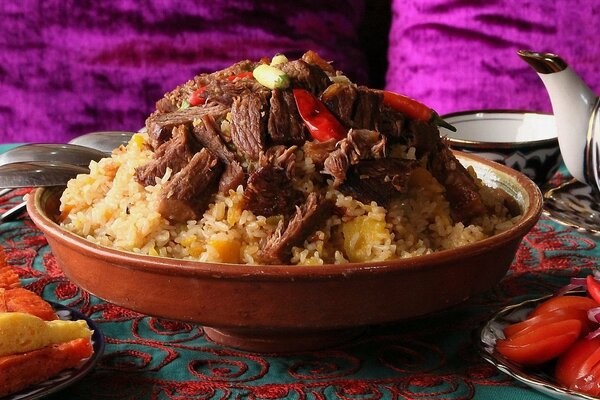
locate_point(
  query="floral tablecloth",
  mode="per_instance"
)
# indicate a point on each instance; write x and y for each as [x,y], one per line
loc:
[431,357]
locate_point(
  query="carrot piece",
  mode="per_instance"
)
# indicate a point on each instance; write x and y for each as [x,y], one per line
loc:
[19,371]
[23,300]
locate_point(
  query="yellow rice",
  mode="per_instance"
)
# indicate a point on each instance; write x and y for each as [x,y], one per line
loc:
[108,207]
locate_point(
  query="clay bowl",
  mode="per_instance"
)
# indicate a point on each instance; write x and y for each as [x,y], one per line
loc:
[291,308]
[523,140]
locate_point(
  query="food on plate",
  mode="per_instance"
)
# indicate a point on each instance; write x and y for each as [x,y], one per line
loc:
[564,329]
[34,344]
[284,162]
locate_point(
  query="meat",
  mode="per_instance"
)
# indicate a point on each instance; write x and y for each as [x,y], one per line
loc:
[355,107]
[209,135]
[367,108]
[306,76]
[359,145]
[277,249]
[461,191]
[269,190]
[285,125]
[318,151]
[392,124]
[188,193]
[378,180]
[424,137]
[159,126]
[249,125]
[175,154]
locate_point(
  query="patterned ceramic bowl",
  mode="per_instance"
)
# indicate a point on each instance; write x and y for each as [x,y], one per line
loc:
[521,140]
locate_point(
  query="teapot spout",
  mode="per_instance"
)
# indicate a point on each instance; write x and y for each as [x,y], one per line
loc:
[572,103]
[543,63]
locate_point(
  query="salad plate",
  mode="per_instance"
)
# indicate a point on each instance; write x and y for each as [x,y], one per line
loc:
[69,376]
[539,379]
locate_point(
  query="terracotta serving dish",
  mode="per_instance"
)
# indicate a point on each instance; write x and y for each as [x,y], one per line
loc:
[285,308]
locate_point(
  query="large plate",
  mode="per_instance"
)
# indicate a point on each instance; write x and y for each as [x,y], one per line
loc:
[70,376]
[539,379]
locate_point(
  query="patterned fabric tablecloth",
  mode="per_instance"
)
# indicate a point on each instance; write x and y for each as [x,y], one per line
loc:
[428,357]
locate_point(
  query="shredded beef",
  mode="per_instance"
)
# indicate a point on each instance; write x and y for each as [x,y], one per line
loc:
[249,124]
[175,154]
[306,76]
[378,180]
[339,99]
[269,190]
[285,125]
[318,151]
[367,108]
[277,249]
[188,193]
[232,177]
[360,144]
[209,134]
[461,191]
[159,126]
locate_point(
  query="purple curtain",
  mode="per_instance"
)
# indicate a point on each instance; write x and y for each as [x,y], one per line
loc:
[68,67]
[461,54]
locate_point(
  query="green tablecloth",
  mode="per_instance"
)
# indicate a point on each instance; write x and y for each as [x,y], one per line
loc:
[428,357]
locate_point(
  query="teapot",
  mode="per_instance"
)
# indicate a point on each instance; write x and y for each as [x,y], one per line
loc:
[577,115]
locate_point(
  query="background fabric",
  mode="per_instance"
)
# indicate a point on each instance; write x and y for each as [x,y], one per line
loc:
[456,55]
[69,67]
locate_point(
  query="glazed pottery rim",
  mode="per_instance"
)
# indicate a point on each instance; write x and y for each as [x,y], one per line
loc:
[172,266]
[479,144]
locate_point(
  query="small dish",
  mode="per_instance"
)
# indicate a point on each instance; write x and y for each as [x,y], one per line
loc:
[538,379]
[574,204]
[70,376]
[525,141]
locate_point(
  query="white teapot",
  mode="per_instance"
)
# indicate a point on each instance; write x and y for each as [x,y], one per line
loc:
[576,110]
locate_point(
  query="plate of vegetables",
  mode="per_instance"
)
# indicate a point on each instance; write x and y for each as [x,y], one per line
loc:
[552,343]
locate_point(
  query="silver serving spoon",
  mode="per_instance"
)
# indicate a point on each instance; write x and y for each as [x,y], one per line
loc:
[103,141]
[71,154]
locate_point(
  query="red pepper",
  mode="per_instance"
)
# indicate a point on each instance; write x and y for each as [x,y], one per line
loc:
[321,123]
[240,76]
[593,288]
[197,97]
[414,109]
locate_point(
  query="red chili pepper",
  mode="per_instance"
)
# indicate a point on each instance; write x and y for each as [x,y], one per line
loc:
[414,109]
[321,123]
[197,97]
[240,76]
[593,288]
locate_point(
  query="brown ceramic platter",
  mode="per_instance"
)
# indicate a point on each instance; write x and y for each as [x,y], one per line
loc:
[282,307]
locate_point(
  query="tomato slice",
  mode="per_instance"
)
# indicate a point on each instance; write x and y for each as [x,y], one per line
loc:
[589,383]
[577,302]
[577,363]
[558,314]
[541,344]
[593,288]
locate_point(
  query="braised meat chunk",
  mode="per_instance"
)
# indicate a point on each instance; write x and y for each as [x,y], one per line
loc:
[306,76]
[277,248]
[269,190]
[187,195]
[378,180]
[285,125]
[175,154]
[249,124]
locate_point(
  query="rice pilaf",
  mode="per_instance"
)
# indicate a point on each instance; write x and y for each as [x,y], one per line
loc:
[110,208]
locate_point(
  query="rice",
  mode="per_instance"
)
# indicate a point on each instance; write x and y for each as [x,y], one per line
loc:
[108,207]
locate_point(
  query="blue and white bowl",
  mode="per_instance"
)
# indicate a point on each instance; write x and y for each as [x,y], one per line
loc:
[525,141]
